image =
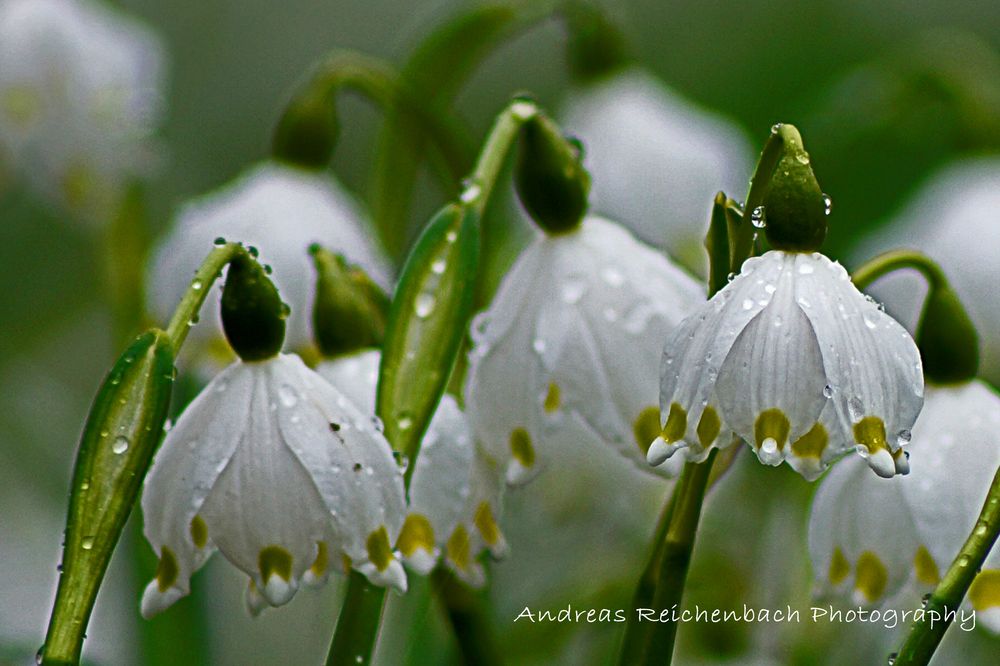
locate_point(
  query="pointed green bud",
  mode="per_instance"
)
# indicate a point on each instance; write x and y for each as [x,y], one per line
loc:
[596,46]
[350,311]
[306,133]
[947,338]
[794,208]
[123,429]
[253,316]
[550,178]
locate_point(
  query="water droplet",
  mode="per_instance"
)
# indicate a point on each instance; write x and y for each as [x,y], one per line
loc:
[612,276]
[523,109]
[775,128]
[438,266]
[254,252]
[538,345]
[359,659]
[869,320]
[730,277]
[120,444]
[903,437]
[39,656]
[770,288]
[827,391]
[980,530]
[335,427]
[963,561]
[219,240]
[424,304]
[470,193]
[85,485]
[757,217]
[196,285]
[87,542]
[892,659]
[924,600]
[806,267]
[288,395]
[572,290]
[358,467]
[827,203]
[451,236]
[856,409]
[802,158]
[747,304]
[404,421]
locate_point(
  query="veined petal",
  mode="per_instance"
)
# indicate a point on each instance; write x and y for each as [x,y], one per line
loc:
[354,375]
[872,364]
[770,386]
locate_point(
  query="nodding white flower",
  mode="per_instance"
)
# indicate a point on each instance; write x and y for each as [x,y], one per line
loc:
[575,332]
[80,95]
[950,219]
[455,491]
[875,539]
[657,160]
[283,474]
[792,358]
[280,210]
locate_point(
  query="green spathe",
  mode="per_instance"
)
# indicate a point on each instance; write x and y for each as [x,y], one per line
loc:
[253,316]
[350,311]
[947,338]
[794,208]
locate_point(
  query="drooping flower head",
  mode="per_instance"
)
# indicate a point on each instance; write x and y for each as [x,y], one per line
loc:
[789,355]
[873,541]
[456,489]
[80,96]
[281,210]
[272,466]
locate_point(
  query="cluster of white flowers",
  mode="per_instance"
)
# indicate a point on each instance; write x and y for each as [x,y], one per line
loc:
[80,97]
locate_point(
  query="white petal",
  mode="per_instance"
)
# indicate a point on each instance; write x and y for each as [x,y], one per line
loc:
[354,375]
[281,211]
[154,601]
[392,576]
[253,601]
[871,362]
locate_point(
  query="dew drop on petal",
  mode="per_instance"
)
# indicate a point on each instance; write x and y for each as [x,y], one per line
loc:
[903,437]
[572,290]
[855,408]
[869,321]
[612,276]
[120,444]
[538,345]
[828,391]
[770,288]
[806,268]
[287,395]
[747,304]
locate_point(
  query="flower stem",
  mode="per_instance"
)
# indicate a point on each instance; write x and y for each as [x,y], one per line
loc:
[746,234]
[469,622]
[926,634]
[885,263]
[357,628]
[494,153]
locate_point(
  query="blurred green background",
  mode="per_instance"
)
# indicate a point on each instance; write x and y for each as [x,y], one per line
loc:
[884,92]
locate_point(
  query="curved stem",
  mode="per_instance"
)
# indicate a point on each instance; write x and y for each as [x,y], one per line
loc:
[470,625]
[769,157]
[494,153]
[926,634]
[894,260]
[354,639]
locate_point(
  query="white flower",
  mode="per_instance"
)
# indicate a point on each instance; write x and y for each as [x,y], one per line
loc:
[575,332]
[953,219]
[875,539]
[284,475]
[80,95]
[456,489]
[791,357]
[279,210]
[657,160]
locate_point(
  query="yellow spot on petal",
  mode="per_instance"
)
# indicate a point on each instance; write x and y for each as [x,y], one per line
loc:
[839,567]
[926,568]
[416,534]
[322,560]
[676,425]
[458,549]
[871,577]
[346,562]
[552,399]
[521,448]
[379,551]
[486,524]
[870,432]
[166,570]
[812,444]
[985,590]
[646,428]
[199,532]
[708,426]
[771,424]
[275,560]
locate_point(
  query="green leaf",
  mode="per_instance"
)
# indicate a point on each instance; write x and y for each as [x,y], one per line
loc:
[123,429]
[427,322]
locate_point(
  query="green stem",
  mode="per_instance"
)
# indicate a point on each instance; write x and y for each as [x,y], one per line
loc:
[468,619]
[187,310]
[769,158]
[502,135]
[878,266]
[926,634]
[354,640]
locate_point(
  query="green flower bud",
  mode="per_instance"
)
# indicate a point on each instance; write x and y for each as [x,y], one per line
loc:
[947,338]
[123,429]
[253,316]
[596,47]
[794,208]
[550,178]
[306,133]
[350,310]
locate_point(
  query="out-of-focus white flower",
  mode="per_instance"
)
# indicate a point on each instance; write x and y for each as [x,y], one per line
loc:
[282,473]
[575,332]
[796,361]
[281,211]
[656,159]
[456,489]
[80,96]
[954,220]
[874,539]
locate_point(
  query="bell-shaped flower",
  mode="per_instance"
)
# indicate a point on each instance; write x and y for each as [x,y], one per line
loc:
[280,471]
[950,219]
[280,210]
[456,489]
[80,95]
[793,359]
[575,332]
[656,159]
[873,540]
